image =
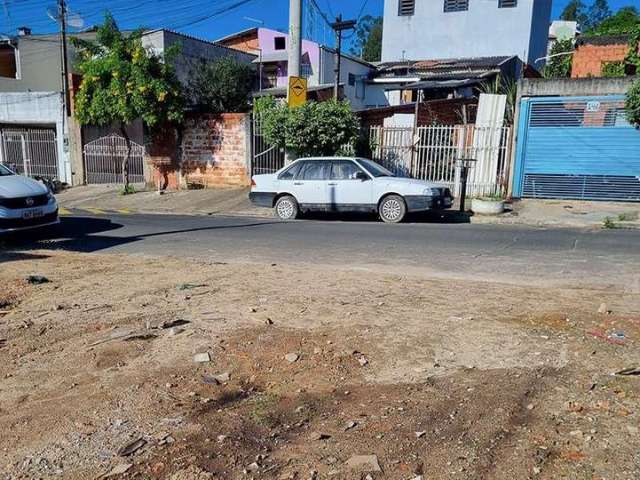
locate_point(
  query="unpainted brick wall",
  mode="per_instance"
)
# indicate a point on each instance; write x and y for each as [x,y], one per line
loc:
[215,149]
[588,60]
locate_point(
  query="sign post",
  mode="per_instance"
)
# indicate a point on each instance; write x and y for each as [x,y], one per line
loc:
[297,91]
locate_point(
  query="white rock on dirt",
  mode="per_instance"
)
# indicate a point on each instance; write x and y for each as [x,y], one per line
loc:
[202,357]
[364,463]
[292,357]
[119,469]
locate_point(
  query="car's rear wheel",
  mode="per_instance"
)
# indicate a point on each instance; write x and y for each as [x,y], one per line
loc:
[287,208]
[392,209]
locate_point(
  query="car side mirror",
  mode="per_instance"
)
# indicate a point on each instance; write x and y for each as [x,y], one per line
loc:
[362,176]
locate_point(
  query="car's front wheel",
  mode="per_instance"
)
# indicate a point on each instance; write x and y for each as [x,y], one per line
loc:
[392,209]
[287,208]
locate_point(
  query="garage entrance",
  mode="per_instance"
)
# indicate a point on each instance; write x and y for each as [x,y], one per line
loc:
[576,148]
[30,151]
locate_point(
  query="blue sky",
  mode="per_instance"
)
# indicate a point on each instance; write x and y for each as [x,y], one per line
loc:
[209,19]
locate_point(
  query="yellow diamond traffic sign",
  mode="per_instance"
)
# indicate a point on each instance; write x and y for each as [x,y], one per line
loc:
[297,91]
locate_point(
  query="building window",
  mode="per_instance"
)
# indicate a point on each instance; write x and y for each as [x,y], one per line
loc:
[306,70]
[507,3]
[352,79]
[280,43]
[406,8]
[456,5]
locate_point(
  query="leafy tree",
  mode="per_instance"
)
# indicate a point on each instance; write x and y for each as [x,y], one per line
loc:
[368,44]
[312,129]
[559,66]
[625,21]
[598,12]
[633,104]
[575,11]
[223,85]
[121,82]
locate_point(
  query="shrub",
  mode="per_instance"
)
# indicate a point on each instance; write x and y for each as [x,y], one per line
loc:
[632,104]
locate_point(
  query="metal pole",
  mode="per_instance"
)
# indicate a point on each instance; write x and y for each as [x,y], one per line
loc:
[65,67]
[336,86]
[463,186]
[295,38]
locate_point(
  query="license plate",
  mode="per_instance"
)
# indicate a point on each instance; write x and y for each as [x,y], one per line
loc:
[35,213]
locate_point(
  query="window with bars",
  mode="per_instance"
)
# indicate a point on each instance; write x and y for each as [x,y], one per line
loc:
[406,8]
[456,5]
[507,3]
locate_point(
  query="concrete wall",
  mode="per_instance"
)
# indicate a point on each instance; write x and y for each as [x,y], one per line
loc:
[38,108]
[573,87]
[482,31]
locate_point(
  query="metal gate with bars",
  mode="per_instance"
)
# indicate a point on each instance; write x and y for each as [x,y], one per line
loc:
[432,153]
[265,158]
[103,160]
[31,151]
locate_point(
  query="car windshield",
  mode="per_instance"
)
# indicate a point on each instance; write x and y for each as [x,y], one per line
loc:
[4,171]
[374,169]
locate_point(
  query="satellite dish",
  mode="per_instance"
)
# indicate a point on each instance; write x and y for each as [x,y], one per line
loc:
[74,20]
[53,13]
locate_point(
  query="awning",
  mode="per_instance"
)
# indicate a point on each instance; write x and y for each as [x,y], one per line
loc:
[278,56]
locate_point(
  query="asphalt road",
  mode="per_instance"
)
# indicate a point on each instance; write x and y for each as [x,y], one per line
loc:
[598,258]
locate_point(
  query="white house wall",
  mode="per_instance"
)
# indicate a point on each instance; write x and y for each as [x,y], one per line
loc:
[482,31]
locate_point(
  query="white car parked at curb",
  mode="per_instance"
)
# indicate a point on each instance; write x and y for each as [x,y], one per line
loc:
[345,184]
[24,203]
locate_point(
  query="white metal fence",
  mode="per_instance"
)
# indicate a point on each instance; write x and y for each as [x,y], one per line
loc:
[103,160]
[30,151]
[431,153]
[265,158]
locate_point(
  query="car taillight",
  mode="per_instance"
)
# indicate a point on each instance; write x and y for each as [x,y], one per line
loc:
[253,183]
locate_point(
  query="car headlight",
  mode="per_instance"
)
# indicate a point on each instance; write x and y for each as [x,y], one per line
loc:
[432,192]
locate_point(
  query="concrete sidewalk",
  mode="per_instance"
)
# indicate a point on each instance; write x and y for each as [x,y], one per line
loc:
[567,213]
[221,201]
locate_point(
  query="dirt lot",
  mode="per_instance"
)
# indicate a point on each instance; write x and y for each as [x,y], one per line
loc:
[424,377]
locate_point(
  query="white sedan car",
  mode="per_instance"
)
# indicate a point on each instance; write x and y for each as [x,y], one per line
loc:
[24,203]
[345,184]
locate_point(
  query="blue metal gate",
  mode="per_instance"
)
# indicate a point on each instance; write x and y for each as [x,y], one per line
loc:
[576,148]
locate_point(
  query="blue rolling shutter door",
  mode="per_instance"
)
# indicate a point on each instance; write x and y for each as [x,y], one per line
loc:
[580,148]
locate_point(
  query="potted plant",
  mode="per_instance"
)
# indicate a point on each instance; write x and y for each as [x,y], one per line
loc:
[488,205]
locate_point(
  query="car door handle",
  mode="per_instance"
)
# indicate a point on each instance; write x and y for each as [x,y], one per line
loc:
[298,183]
[332,184]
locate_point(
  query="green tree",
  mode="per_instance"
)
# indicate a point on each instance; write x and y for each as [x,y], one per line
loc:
[223,85]
[559,62]
[575,11]
[121,82]
[368,43]
[312,129]
[624,22]
[598,12]
[633,104]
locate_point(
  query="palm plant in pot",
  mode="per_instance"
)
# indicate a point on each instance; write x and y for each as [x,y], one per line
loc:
[488,205]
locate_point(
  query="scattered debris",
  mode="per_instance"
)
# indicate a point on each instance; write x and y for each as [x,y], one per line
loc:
[268,321]
[292,357]
[363,360]
[254,467]
[350,425]
[119,470]
[191,286]
[202,357]
[617,336]
[364,463]
[603,309]
[143,335]
[223,377]
[320,436]
[632,371]
[173,331]
[420,434]
[174,323]
[37,279]
[132,447]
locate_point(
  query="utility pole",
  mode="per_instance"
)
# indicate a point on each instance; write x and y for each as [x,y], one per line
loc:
[338,26]
[295,38]
[65,67]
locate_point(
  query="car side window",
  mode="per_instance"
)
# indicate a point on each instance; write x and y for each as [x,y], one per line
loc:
[344,170]
[315,170]
[291,172]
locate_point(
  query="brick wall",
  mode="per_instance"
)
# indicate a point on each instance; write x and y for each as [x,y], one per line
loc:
[444,112]
[215,150]
[588,59]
